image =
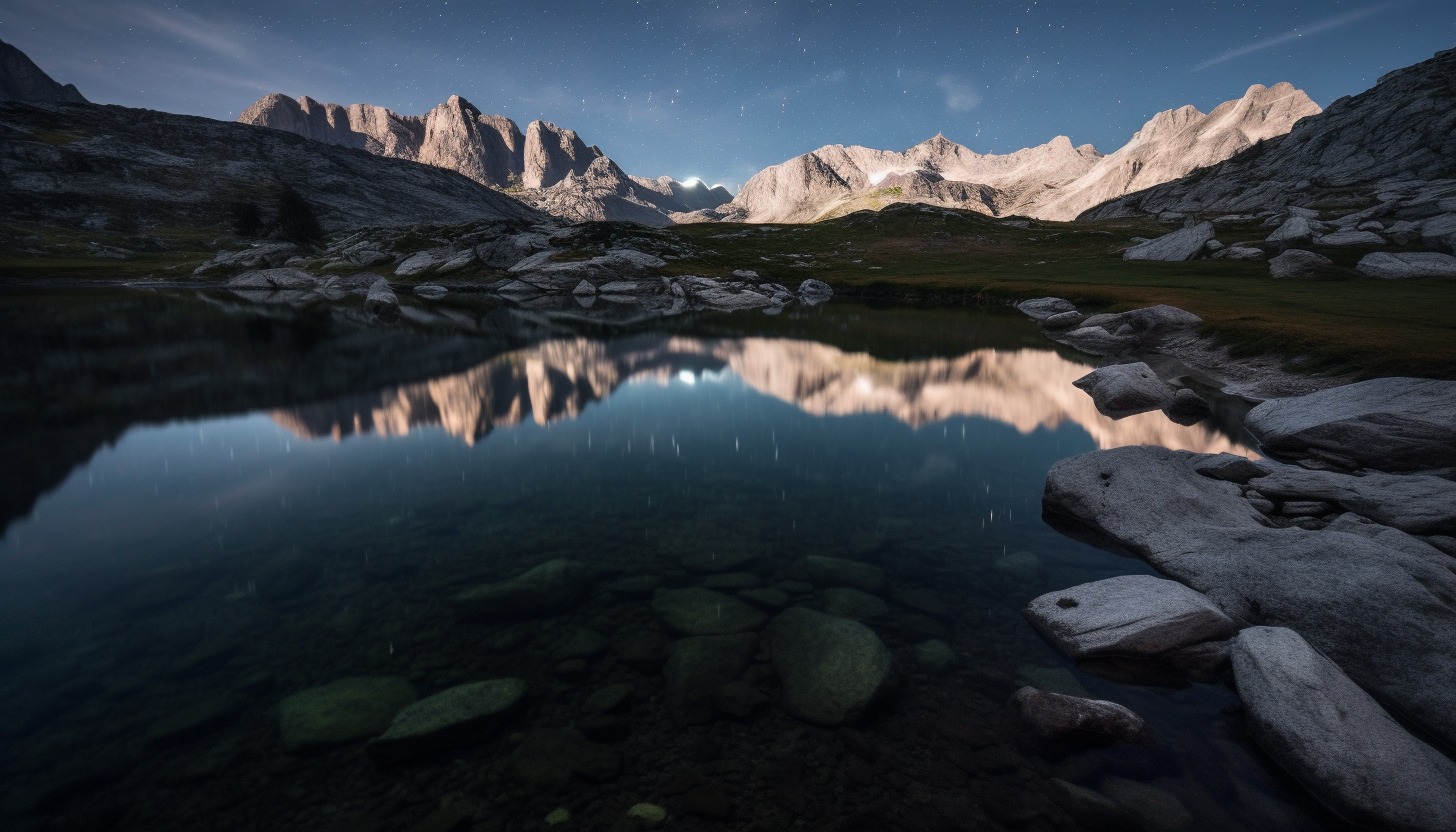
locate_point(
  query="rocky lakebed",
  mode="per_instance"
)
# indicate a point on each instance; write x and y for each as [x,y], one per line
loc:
[1090,575]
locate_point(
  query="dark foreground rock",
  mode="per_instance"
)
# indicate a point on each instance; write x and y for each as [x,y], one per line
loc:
[1060,717]
[1336,740]
[832,669]
[1379,602]
[550,587]
[1389,424]
[1130,615]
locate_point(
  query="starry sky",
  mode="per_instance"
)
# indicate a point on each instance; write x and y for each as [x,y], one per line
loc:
[718,90]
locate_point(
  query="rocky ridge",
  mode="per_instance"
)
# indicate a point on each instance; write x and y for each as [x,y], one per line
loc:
[1386,152]
[22,80]
[547,166]
[1054,181]
[110,167]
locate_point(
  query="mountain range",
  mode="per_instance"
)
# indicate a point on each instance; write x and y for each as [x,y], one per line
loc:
[546,165]
[1053,181]
[554,170]
[1373,150]
[1271,148]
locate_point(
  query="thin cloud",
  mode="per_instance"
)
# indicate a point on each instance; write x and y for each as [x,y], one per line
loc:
[961,96]
[1294,34]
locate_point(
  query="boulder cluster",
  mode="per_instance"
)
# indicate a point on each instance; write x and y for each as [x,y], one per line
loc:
[1405,216]
[535,266]
[1325,586]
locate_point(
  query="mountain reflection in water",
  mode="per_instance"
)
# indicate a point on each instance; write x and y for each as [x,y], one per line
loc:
[1027,389]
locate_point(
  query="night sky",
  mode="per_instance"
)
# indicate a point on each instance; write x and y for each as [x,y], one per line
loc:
[719,90]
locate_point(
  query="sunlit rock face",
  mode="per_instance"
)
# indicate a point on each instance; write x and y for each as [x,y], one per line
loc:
[1053,181]
[1026,389]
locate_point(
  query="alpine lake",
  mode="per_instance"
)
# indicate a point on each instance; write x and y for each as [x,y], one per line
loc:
[242,534]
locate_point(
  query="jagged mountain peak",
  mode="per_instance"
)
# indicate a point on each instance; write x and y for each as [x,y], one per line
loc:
[1055,180]
[1367,148]
[22,80]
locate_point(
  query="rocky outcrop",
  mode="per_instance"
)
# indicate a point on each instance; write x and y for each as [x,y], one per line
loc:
[22,80]
[1391,424]
[1336,740]
[153,168]
[1385,148]
[1376,600]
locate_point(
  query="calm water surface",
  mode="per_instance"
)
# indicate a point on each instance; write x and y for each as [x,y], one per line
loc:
[203,538]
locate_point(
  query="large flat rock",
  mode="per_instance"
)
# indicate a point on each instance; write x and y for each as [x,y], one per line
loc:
[1336,740]
[1389,424]
[1386,614]
[1129,615]
[1183,244]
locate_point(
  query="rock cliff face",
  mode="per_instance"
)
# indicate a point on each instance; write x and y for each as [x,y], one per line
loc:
[117,164]
[559,172]
[1400,132]
[1054,181]
[22,80]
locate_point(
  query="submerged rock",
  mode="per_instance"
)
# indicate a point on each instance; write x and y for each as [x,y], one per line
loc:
[451,718]
[697,668]
[701,612]
[832,669]
[1389,424]
[1061,717]
[1336,740]
[548,757]
[551,587]
[830,572]
[935,657]
[342,711]
[846,602]
[1136,615]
